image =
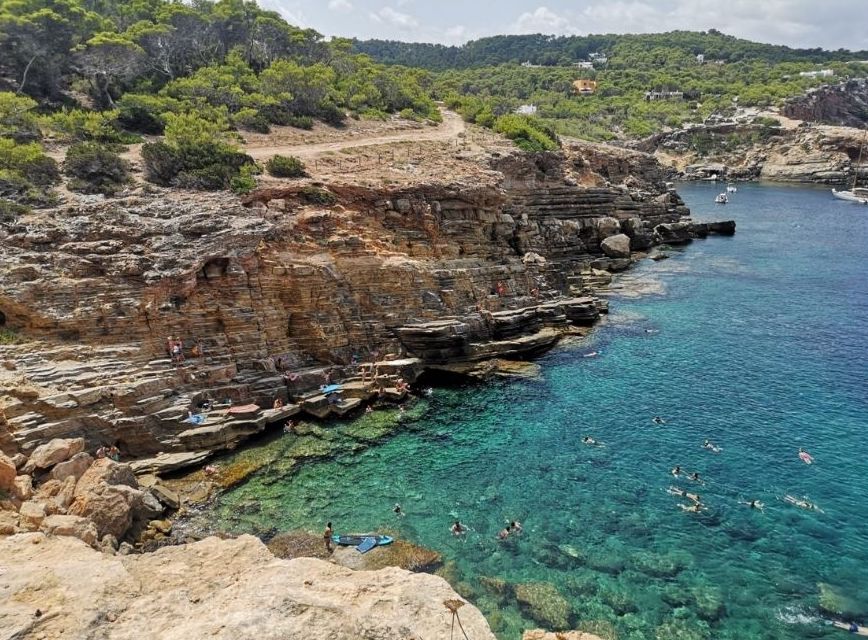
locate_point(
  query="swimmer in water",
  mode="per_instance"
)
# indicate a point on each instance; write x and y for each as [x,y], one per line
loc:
[696,507]
[515,526]
[695,476]
[658,420]
[458,529]
[675,491]
[676,471]
[801,504]
[588,440]
[398,511]
[711,446]
[503,534]
[755,504]
[592,354]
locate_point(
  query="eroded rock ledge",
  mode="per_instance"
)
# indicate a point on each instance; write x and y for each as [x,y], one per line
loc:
[223,589]
[302,278]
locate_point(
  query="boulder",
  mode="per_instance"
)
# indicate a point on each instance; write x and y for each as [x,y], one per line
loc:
[107,506]
[8,523]
[53,452]
[22,488]
[105,471]
[7,472]
[617,246]
[75,466]
[75,526]
[65,496]
[166,496]
[607,227]
[673,233]
[31,515]
[544,603]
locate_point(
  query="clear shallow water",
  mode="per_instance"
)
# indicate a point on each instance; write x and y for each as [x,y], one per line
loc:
[757,342]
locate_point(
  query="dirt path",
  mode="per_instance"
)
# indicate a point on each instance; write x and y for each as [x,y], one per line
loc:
[451,126]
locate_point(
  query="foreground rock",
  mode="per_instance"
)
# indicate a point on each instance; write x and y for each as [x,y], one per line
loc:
[222,589]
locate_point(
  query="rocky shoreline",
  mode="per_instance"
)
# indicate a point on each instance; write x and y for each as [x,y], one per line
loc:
[297,288]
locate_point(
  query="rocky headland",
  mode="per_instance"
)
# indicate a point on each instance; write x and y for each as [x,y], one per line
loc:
[299,285]
[814,138]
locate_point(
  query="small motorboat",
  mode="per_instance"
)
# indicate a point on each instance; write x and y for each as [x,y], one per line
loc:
[721,198]
[362,543]
[731,188]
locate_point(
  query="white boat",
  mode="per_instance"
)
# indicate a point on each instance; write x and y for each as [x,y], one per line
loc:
[731,188]
[721,198]
[850,196]
[858,195]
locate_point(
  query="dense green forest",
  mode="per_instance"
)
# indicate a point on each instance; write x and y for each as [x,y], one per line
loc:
[99,73]
[563,50]
[485,79]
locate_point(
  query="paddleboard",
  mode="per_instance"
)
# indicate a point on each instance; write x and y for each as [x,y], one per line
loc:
[860,631]
[355,540]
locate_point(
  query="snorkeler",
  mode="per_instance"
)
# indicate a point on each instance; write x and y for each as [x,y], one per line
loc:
[754,504]
[801,504]
[658,420]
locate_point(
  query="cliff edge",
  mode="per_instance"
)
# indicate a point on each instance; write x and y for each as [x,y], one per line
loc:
[233,589]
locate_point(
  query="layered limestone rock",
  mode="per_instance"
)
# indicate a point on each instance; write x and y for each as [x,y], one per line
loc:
[60,587]
[300,280]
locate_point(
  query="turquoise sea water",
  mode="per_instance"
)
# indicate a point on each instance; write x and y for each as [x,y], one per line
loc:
[756,342]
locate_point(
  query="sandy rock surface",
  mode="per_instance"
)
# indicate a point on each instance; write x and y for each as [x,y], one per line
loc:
[232,589]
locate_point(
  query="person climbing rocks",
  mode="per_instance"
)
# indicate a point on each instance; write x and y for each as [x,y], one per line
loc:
[327,537]
[278,403]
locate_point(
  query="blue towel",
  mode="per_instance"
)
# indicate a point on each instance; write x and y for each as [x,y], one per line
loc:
[196,418]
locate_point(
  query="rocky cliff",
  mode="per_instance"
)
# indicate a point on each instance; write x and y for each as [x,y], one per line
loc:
[234,589]
[274,294]
[844,104]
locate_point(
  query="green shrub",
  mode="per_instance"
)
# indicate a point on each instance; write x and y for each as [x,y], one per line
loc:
[7,336]
[245,181]
[11,211]
[315,195]
[17,119]
[251,120]
[208,166]
[529,134]
[95,169]
[285,167]
[76,125]
[145,113]
[26,173]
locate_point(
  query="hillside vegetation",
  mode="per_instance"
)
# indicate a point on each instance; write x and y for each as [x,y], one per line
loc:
[485,78]
[107,71]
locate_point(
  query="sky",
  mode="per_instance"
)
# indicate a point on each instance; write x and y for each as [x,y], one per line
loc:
[831,24]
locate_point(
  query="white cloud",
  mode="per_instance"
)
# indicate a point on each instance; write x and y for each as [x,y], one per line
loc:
[395,18]
[544,20]
[343,6]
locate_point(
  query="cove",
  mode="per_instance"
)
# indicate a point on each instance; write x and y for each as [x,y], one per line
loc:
[757,343]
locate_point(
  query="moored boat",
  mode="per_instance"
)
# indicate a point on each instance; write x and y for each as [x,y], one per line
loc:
[851,196]
[721,198]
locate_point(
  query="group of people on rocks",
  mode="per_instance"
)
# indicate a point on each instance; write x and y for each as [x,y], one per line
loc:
[175,349]
[112,453]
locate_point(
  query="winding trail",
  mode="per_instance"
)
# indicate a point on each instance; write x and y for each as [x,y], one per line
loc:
[449,129]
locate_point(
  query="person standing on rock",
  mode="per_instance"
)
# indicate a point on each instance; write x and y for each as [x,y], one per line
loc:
[327,537]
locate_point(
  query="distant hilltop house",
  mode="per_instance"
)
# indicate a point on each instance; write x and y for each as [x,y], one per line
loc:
[585,87]
[598,58]
[527,110]
[700,58]
[822,73]
[530,65]
[651,96]
[584,64]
